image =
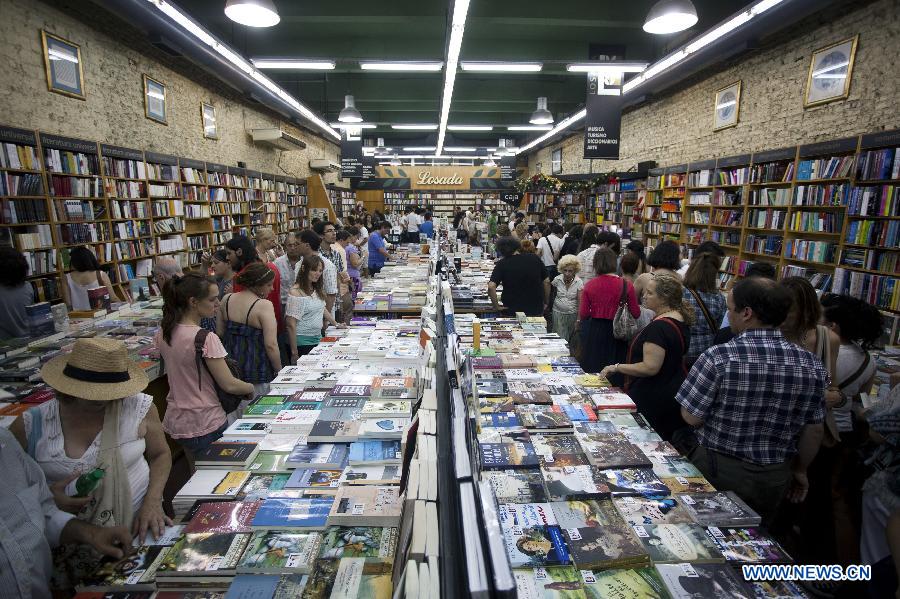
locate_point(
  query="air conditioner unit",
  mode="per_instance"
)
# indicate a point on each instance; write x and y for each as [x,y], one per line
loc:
[324,164]
[278,138]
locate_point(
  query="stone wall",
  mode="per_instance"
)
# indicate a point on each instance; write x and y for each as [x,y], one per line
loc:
[677,127]
[114,58]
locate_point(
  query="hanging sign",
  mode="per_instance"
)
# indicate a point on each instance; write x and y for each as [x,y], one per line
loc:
[508,169]
[511,197]
[602,125]
[351,156]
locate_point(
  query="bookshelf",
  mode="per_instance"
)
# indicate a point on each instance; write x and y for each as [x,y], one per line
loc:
[342,201]
[443,203]
[124,175]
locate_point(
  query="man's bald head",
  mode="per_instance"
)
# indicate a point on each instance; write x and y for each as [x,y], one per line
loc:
[164,268]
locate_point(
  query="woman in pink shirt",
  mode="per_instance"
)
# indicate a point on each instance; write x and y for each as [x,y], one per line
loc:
[194,417]
[599,302]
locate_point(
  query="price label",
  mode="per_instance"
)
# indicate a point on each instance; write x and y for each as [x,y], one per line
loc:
[215,562]
[574,534]
[682,480]
[135,577]
[358,509]
[640,531]
[629,499]
[540,574]
[569,469]
[588,577]
[256,466]
[548,457]
[294,560]
[517,531]
[398,455]
[689,570]
[688,499]
[714,531]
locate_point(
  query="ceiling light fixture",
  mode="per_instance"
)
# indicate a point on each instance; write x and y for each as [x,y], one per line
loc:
[565,123]
[460,149]
[670,16]
[419,149]
[606,67]
[541,116]
[203,36]
[350,114]
[501,66]
[292,63]
[395,161]
[354,125]
[701,42]
[469,128]
[490,162]
[457,29]
[379,147]
[425,66]
[529,127]
[252,13]
[420,127]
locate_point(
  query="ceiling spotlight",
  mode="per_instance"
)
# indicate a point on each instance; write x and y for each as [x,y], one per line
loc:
[541,116]
[252,13]
[670,16]
[350,114]
[395,161]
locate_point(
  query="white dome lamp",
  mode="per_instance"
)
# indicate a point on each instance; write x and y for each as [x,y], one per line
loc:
[490,162]
[379,148]
[670,16]
[252,13]
[541,116]
[350,114]
[395,161]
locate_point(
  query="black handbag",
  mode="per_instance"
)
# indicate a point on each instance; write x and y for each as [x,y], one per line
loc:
[229,401]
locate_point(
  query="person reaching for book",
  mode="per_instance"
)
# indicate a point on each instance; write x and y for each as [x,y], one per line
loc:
[85,276]
[305,308]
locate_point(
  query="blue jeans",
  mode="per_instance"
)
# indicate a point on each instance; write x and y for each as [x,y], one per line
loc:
[197,444]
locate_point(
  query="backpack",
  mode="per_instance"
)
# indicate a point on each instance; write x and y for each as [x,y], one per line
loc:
[229,401]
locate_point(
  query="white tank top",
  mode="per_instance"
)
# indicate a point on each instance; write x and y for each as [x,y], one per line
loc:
[78,293]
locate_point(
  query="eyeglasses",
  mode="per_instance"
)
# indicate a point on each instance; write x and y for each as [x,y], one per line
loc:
[329,230]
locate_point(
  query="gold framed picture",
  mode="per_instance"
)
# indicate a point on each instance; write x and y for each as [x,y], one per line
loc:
[727,106]
[62,61]
[208,121]
[155,106]
[830,72]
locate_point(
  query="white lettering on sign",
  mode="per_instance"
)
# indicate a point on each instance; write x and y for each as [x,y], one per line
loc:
[425,178]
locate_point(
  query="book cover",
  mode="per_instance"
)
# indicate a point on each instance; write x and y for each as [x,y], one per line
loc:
[334,431]
[269,462]
[223,516]
[491,388]
[375,452]
[259,410]
[389,409]
[634,481]
[640,511]
[227,453]
[665,466]
[318,455]
[321,581]
[562,582]
[261,486]
[491,405]
[371,475]
[535,546]
[247,427]
[294,420]
[383,428]
[522,486]
[600,426]
[136,571]
[719,509]
[694,484]
[272,551]
[584,513]
[507,455]
[255,586]
[373,505]
[540,419]
[390,393]
[574,482]
[372,542]
[691,581]
[747,546]
[632,583]
[605,546]
[612,450]
[673,543]
[315,479]
[354,391]
[307,513]
[393,382]
[500,420]
[353,403]
[231,484]
[612,401]
[358,577]
[204,554]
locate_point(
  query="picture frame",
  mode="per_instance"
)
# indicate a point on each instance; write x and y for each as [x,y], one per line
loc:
[727,106]
[63,65]
[208,121]
[155,105]
[830,73]
[556,161]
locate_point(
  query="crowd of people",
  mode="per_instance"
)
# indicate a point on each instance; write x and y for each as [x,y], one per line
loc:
[759,386]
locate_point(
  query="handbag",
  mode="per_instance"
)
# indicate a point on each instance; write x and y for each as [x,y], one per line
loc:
[712,325]
[229,401]
[823,351]
[624,324]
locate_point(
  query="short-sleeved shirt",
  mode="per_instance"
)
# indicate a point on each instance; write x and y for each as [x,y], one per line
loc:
[376,242]
[427,227]
[702,335]
[308,311]
[567,297]
[586,258]
[522,278]
[353,272]
[286,273]
[13,319]
[329,275]
[335,254]
[754,395]
[192,409]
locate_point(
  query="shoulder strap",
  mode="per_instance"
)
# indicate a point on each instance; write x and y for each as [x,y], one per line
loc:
[709,320]
[226,307]
[99,281]
[623,299]
[199,342]
[677,330]
[247,319]
[37,430]
[859,372]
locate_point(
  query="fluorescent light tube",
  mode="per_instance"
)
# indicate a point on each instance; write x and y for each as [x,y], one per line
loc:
[457,29]
[421,66]
[291,63]
[460,149]
[422,127]
[354,125]
[501,66]
[529,127]
[419,149]
[565,123]
[470,127]
[606,67]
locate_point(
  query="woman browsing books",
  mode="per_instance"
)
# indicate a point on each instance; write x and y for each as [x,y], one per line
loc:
[86,275]
[305,308]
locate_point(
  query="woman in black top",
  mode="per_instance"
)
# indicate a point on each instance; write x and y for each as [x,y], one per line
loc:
[572,242]
[655,368]
[526,287]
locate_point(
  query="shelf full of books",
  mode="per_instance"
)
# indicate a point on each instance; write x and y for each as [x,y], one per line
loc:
[128,205]
[444,203]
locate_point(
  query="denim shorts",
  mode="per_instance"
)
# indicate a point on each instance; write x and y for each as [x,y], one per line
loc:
[197,444]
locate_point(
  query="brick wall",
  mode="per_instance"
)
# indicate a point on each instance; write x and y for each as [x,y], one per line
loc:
[114,57]
[677,127]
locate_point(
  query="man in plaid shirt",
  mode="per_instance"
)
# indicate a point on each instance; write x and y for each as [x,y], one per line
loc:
[757,403]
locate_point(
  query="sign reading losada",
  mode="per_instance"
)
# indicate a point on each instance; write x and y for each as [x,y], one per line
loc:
[434,178]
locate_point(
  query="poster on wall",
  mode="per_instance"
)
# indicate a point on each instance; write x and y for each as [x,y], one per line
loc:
[602,125]
[351,156]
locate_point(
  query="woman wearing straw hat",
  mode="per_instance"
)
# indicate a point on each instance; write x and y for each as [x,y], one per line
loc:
[100,419]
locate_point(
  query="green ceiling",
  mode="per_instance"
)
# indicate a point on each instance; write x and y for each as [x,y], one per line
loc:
[348,30]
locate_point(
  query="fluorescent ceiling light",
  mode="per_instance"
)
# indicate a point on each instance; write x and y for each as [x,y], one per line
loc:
[606,67]
[421,127]
[252,13]
[670,16]
[501,66]
[419,149]
[407,65]
[457,29]
[469,127]
[354,125]
[564,124]
[291,63]
[529,127]
[238,61]
[460,149]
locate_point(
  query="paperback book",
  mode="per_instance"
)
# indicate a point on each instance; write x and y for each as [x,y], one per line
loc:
[201,555]
[273,551]
[574,482]
[516,486]
[366,506]
[640,511]
[318,455]
[632,583]
[372,542]
[690,581]
[634,481]
[315,481]
[295,513]
[747,546]
[673,543]
[719,509]
[507,455]
[375,453]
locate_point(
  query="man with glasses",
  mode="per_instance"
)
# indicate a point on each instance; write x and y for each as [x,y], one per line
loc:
[287,265]
[330,250]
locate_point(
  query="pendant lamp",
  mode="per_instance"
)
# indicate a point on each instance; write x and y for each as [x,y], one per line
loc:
[670,16]
[379,147]
[252,13]
[490,162]
[541,116]
[395,161]
[350,114]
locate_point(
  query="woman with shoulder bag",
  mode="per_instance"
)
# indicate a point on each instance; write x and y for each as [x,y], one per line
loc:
[654,367]
[194,415]
[702,294]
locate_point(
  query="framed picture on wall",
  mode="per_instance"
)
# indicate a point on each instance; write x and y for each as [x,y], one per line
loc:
[208,118]
[830,71]
[62,61]
[727,107]
[155,107]
[556,161]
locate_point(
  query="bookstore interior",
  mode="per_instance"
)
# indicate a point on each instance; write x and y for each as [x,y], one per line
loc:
[539,300]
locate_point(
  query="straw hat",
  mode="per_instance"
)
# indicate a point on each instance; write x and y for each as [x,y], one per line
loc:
[98,369]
